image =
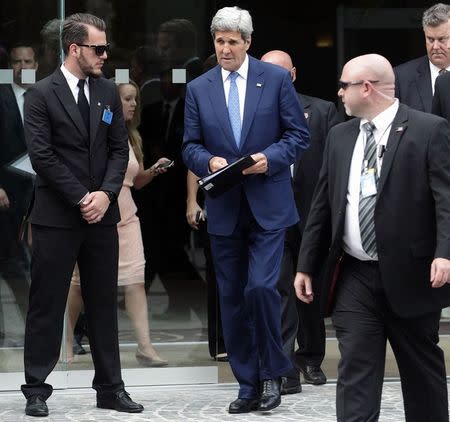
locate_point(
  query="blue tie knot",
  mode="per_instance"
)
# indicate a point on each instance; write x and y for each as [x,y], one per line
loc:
[233,76]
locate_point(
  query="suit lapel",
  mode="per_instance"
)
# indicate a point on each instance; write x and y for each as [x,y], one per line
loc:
[218,104]
[96,109]
[255,86]
[346,155]
[399,126]
[423,81]
[65,96]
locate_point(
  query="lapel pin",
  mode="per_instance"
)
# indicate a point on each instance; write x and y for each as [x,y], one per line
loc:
[259,85]
[306,115]
[99,104]
[399,129]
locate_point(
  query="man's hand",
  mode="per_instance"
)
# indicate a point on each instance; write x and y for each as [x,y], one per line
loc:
[259,167]
[192,209]
[303,287]
[94,206]
[439,272]
[4,200]
[216,163]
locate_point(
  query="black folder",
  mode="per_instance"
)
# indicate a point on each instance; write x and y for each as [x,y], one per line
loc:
[217,183]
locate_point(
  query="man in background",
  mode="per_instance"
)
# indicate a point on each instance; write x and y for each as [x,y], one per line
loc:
[414,80]
[300,321]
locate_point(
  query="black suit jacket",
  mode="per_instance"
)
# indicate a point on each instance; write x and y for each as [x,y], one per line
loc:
[413,84]
[321,116]
[441,99]
[412,214]
[164,200]
[68,161]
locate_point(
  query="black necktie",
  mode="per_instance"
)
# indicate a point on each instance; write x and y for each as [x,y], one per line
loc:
[83,104]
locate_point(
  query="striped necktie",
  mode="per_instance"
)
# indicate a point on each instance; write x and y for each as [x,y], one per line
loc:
[367,204]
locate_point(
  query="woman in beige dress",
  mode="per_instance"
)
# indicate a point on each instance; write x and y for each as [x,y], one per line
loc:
[131,252]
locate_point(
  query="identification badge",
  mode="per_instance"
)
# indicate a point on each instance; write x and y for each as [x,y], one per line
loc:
[368,184]
[107,116]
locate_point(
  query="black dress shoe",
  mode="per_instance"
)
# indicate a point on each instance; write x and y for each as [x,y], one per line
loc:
[243,405]
[121,402]
[290,386]
[36,407]
[270,395]
[312,374]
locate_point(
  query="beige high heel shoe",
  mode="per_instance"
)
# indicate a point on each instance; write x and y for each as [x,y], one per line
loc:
[150,361]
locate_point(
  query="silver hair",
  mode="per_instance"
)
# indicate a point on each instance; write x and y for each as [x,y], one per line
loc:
[233,19]
[436,15]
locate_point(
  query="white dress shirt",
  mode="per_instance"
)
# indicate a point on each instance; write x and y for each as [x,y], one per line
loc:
[241,83]
[434,72]
[19,93]
[72,80]
[352,234]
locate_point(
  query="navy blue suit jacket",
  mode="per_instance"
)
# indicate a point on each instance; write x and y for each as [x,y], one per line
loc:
[273,124]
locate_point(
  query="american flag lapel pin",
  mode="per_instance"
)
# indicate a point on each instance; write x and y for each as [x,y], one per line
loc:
[399,129]
[259,85]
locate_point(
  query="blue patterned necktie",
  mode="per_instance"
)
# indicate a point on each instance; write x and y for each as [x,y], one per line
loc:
[367,204]
[233,108]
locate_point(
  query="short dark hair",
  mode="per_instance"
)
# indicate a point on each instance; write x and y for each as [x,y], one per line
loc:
[75,29]
[25,44]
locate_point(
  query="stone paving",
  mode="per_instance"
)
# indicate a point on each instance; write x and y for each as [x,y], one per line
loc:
[196,403]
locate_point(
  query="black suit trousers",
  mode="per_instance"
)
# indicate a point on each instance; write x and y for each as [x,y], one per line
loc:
[299,321]
[364,321]
[55,251]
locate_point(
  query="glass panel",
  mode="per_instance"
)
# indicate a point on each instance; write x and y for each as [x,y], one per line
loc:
[168,297]
[29,51]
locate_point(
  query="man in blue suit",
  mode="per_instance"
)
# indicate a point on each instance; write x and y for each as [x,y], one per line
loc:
[241,107]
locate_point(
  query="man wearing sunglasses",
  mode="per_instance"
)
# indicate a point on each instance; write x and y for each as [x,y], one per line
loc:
[384,189]
[77,142]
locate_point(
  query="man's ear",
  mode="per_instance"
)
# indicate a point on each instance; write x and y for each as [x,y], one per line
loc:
[248,42]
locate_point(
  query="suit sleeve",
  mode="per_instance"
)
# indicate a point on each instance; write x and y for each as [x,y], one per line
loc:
[45,161]
[195,155]
[295,133]
[439,177]
[318,222]
[118,149]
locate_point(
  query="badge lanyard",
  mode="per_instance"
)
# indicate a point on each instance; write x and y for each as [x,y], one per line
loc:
[379,154]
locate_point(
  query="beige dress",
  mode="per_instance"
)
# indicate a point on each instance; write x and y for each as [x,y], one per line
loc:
[131,250]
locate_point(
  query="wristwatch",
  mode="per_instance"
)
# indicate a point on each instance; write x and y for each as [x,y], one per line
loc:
[111,195]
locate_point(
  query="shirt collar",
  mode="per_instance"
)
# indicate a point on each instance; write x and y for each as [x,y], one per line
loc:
[18,90]
[242,71]
[434,70]
[384,119]
[72,80]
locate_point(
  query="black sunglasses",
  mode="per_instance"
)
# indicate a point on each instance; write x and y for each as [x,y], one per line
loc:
[344,85]
[99,49]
